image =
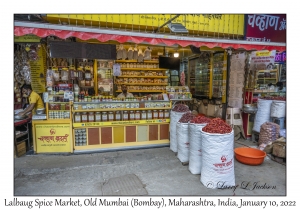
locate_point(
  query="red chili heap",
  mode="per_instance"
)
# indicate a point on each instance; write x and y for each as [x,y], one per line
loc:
[217,125]
[277,98]
[200,120]
[186,117]
[180,108]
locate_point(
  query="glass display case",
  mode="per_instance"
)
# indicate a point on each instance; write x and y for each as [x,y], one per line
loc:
[202,77]
[217,77]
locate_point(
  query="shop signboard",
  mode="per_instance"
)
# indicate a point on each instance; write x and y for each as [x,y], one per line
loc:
[37,72]
[265,28]
[53,138]
[211,23]
[262,60]
[280,57]
[27,39]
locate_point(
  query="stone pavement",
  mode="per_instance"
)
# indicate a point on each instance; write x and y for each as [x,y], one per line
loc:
[152,172]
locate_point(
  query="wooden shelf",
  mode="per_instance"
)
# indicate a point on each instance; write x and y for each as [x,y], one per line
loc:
[143,91]
[143,69]
[132,76]
[149,84]
[121,109]
[135,61]
[267,78]
[21,134]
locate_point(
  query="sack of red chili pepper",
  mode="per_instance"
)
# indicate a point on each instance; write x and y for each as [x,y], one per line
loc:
[182,132]
[217,125]
[195,143]
[217,157]
[174,118]
[187,117]
[200,120]
[180,108]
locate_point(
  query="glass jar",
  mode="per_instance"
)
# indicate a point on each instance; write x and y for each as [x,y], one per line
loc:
[77,117]
[149,115]
[88,83]
[118,116]
[80,74]
[144,115]
[55,74]
[72,73]
[104,116]
[166,114]
[160,114]
[111,116]
[97,117]
[155,114]
[125,115]
[64,74]
[137,115]
[87,73]
[131,115]
[84,117]
[91,117]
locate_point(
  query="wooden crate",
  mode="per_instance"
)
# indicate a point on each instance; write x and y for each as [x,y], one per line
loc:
[21,149]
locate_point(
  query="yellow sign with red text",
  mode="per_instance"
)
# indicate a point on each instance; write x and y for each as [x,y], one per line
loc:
[53,138]
[195,23]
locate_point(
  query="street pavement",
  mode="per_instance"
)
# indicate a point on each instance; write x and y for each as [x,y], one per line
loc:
[151,172]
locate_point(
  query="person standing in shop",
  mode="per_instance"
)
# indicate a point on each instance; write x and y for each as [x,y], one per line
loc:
[124,93]
[35,101]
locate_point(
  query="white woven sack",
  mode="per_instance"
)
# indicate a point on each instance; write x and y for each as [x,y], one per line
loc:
[278,109]
[217,160]
[263,113]
[182,130]
[195,154]
[174,118]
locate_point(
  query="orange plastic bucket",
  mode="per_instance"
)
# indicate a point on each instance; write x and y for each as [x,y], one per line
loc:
[249,156]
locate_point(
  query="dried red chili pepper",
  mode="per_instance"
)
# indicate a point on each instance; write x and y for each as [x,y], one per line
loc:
[217,125]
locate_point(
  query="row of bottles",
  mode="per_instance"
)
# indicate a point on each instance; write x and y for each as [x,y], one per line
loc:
[120,115]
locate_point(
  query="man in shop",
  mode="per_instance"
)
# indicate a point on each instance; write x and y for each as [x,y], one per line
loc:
[124,93]
[35,101]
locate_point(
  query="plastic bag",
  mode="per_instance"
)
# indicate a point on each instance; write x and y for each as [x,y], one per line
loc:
[175,117]
[263,113]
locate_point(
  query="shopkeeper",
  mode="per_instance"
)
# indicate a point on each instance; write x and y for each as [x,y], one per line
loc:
[124,93]
[35,101]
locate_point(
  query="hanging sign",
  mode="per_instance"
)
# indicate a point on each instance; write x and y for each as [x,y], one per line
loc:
[266,28]
[262,60]
[37,72]
[53,138]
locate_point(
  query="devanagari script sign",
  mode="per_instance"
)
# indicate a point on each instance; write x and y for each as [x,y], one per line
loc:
[266,28]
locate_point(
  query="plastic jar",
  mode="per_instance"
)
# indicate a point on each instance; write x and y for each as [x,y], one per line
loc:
[111,116]
[97,117]
[166,114]
[155,114]
[91,117]
[144,115]
[137,115]
[77,117]
[149,115]
[104,116]
[160,114]
[118,116]
[125,115]
[84,117]
[131,115]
